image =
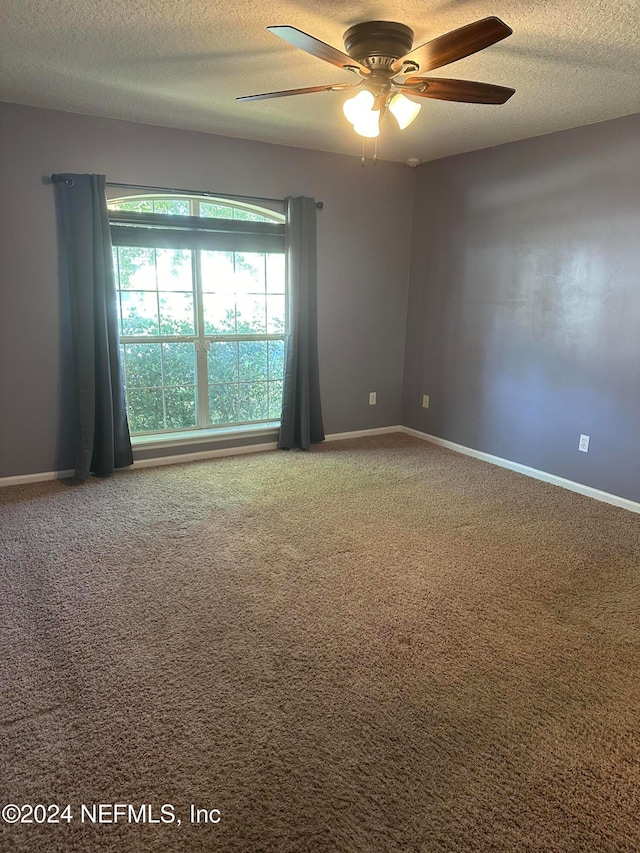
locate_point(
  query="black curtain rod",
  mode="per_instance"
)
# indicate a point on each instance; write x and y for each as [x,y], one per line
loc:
[56,178]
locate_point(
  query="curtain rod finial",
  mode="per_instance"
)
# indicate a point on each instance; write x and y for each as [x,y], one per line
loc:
[59,179]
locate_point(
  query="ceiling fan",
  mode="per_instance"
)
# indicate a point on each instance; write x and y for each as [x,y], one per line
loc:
[381,53]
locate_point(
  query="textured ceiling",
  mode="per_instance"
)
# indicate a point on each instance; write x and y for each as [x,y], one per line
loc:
[181,64]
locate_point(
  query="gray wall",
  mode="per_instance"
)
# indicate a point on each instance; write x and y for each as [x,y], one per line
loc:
[524,303]
[523,320]
[362,287]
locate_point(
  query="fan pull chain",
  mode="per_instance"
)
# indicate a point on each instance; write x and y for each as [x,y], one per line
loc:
[363,159]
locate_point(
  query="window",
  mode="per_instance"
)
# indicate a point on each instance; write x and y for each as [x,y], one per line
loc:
[201,306]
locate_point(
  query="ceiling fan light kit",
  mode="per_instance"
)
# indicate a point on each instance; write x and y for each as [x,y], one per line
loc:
[381,53]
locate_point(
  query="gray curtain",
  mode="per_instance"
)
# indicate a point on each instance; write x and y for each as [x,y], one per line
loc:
[102,441]
[301,411]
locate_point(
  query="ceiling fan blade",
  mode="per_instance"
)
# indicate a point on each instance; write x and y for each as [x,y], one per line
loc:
[335,87]
[466,91]
[456,45]
[317,48]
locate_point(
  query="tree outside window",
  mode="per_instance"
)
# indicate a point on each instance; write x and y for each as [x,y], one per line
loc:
[202,325]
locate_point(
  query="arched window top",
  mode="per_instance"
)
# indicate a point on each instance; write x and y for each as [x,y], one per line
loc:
[196,205]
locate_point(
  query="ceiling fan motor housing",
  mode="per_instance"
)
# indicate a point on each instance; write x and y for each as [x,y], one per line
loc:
[377,44]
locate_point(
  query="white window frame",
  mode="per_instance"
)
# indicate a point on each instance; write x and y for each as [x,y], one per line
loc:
[203,431]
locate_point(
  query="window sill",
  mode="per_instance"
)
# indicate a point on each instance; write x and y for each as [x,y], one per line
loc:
[204,436]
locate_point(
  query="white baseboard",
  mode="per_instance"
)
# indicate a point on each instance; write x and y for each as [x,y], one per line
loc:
[40,477]
[189,457]
[362,433]
[144,463]
[580,488]
[175,459]
[203,454]
[252,448]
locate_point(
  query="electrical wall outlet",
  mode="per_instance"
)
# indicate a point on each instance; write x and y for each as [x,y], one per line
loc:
[372,398]
[425,401]
[584,443]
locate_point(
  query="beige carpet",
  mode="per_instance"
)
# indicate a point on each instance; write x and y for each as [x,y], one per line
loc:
[376,646]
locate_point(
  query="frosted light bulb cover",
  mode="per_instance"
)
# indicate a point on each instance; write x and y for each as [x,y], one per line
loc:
[370,125]
[358,107]
[404,111]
